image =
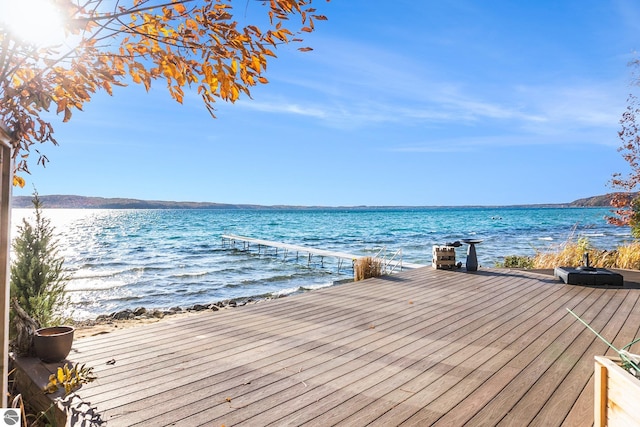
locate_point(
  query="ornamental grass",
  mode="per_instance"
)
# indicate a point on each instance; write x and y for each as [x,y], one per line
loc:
[571,253]
[628,256]
[367,267]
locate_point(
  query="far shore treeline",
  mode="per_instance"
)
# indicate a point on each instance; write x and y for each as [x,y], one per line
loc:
[83,202]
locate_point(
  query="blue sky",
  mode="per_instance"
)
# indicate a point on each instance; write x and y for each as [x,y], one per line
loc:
[404,103]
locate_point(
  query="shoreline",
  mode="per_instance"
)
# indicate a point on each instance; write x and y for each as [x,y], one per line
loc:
[126,317]
[141,316]
[106,323]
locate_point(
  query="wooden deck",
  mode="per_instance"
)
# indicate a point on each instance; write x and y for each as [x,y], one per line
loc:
[422,347]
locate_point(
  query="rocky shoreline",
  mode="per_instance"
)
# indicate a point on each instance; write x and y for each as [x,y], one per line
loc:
[105,323]
[142,314]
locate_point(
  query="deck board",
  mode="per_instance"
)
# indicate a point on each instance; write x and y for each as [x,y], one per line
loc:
[527,366]
[422,347]
[557,365]
[464,344]
[577,379]
[357,344]
[497,365]
[437,331]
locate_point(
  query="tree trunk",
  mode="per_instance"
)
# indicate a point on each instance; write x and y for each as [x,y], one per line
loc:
[25,330]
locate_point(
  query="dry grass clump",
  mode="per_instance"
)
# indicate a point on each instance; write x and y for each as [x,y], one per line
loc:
[629,256]
[367,267]
[571,253]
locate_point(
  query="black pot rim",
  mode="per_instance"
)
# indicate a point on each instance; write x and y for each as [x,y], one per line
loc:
[60,330]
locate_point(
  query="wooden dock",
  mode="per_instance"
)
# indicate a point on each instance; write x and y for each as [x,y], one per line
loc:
[418,348]
[391,263]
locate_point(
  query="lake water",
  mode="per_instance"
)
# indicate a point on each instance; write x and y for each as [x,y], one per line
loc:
[165,258]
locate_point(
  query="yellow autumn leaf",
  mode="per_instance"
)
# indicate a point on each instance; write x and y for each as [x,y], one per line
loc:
[107,87]
[192,24]
[280,35]
[50,388]
[67,115]
[62,104]
[179,7]
[18,181]
[255,63]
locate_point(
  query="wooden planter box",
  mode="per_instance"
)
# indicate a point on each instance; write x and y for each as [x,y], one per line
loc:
[444,257]
[617,394]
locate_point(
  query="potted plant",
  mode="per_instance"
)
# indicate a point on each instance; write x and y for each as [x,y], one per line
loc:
[617,385]
[53,344]
[39,299]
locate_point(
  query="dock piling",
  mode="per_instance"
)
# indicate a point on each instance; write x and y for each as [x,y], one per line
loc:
[340,256]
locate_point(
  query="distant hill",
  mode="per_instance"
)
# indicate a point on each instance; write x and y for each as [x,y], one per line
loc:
[82,202]
[604,200]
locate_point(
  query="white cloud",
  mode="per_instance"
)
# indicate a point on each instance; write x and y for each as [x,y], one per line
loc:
[354,85]
[283,107]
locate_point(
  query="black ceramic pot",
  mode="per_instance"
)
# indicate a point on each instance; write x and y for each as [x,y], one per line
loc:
[53,344]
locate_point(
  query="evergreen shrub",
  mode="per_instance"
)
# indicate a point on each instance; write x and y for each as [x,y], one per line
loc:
[38,279]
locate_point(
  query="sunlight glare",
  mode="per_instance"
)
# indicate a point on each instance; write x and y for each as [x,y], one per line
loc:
[36,22]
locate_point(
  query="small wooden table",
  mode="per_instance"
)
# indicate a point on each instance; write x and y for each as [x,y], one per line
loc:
[472,258]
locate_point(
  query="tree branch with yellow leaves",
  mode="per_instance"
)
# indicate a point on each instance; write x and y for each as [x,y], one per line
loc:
[196,44]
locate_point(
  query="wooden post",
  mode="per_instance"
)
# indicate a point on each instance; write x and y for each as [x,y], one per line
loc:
[600,395]
[615,395]
[6,183]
